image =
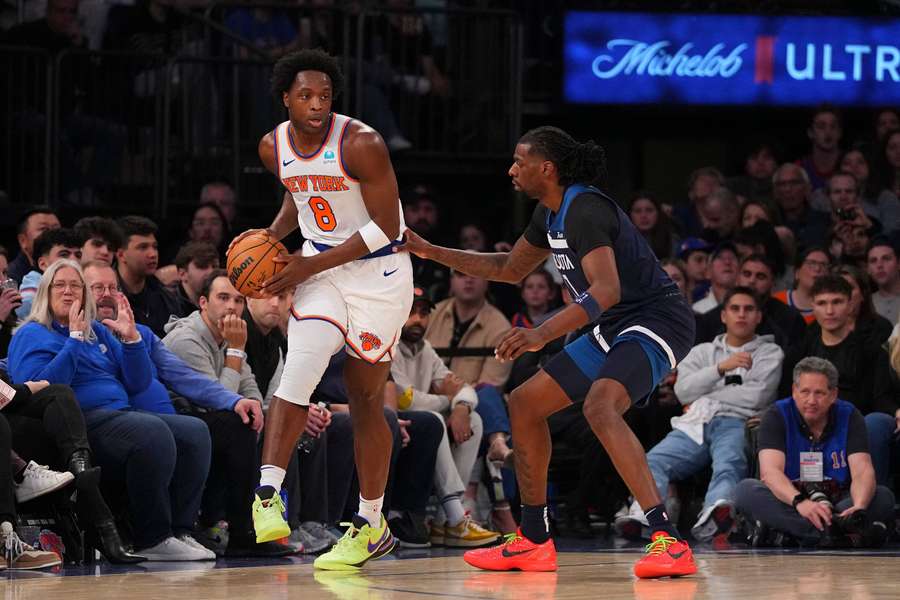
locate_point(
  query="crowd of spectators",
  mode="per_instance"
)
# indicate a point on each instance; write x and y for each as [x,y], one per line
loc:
[172,370]
[147,375]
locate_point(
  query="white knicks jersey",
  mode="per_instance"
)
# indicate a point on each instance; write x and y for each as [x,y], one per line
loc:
[330,207]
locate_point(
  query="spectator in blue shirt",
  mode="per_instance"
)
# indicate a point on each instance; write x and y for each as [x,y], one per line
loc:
[233,421]
[162,459]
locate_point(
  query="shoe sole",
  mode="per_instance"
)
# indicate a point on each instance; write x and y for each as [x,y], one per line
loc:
[283,530]
[412,545]
[538,568]
[38,493]
[384,550]
[34,567]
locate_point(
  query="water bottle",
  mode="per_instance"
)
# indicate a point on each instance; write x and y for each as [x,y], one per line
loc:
[308,442]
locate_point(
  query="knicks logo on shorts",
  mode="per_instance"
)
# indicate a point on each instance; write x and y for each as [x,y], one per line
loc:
[370,341]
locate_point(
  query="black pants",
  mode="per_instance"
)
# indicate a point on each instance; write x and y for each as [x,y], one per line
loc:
[412,472]
[51,414]
[757,502]
[326,472]
[233,473]
[7,494]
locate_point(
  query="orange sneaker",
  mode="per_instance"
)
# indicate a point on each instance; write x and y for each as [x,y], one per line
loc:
[666,557]
[515,553]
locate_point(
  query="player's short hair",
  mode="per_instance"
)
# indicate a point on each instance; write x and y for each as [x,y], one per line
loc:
[136,225]
[208,281]
[100,227]
[761,259]
[202,254]
[831,284]
[740,289]
[576,162]
[22,224]
[44,243]
[285,70]
[882,242]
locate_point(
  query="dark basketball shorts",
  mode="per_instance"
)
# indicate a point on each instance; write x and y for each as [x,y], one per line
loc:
[637,351]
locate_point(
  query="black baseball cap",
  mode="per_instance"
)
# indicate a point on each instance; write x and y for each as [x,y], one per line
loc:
[420,294]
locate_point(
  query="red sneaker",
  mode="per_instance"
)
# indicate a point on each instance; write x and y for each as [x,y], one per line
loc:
[515,553]
[666,557]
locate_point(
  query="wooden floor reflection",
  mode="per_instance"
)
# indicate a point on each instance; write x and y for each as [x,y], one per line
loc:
[594,575]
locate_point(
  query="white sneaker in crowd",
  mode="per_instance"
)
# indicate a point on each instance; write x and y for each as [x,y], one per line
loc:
[190,541]
[632,525]
[714,519]
[174,549]
[39,480]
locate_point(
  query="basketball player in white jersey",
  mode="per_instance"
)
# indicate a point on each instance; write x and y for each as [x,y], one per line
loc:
[353,292]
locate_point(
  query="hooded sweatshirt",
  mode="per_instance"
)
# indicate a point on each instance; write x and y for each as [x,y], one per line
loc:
[416,367]
[702,388]
[193,342]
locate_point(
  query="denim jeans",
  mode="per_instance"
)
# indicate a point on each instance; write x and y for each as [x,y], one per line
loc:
[492,409]
[163,460]
[678,457]
[881,428]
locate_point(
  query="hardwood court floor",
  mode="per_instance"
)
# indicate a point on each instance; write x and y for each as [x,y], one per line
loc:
[589,575]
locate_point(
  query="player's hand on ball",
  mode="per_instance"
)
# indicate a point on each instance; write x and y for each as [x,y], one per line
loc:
[245,234]
[413,243]
[234,330]
[296,270]
[517,342]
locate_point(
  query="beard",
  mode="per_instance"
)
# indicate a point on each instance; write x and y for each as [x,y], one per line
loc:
[413,334]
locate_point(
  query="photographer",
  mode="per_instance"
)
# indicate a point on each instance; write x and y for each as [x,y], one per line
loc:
[723,383]
[851,227]
[816,481]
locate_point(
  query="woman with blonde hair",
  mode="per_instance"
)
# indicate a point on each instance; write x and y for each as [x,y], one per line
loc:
[163,460]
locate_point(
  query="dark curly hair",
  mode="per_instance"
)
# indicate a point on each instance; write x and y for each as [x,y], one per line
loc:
[575,162]
[285,70]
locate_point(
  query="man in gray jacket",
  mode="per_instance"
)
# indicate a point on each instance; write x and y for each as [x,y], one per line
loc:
[425,383]
[212,341]
[722,383]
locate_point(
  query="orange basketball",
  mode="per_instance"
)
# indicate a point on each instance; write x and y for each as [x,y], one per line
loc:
[249,263]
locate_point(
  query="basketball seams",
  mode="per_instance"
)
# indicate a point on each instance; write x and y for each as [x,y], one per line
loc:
[238,258]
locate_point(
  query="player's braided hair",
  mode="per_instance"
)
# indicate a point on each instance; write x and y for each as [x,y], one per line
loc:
[285,70]
[575,162]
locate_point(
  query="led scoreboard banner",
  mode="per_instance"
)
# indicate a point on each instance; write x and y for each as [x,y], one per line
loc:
[632,58]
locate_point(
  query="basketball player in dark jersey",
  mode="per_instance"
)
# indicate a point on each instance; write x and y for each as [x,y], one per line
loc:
[642,327]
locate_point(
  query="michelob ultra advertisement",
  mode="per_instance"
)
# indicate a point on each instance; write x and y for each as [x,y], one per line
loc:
[631,58]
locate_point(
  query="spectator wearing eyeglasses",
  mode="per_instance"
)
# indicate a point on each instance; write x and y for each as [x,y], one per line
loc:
[49,247]
[162,459]
[811,264]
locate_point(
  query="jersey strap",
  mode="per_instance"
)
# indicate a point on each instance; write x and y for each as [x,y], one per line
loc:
[556,222]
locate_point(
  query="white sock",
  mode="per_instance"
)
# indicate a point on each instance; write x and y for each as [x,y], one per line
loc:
[370,510]
[454,509]
[271,475]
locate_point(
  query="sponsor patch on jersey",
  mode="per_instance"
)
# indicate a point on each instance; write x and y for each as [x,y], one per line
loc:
[369,341]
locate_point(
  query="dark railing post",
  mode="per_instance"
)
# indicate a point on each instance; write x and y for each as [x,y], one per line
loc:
[163,196]
[49,107]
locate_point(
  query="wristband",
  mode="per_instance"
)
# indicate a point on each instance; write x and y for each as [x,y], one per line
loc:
[590,305]
[77,335]
[236,353]
[373,236]
[132,341]
[800,497]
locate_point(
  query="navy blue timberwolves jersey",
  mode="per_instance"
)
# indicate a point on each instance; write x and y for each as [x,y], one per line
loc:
[588,219]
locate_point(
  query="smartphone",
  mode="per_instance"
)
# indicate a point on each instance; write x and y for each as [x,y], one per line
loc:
[9,284]
[846,214]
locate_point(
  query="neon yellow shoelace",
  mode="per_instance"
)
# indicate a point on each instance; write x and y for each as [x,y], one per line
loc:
[659,545]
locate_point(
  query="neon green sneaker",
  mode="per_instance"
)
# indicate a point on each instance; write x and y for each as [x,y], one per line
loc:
[268,519]
[360,544]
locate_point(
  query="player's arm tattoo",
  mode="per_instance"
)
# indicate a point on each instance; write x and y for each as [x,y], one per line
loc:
[509,267]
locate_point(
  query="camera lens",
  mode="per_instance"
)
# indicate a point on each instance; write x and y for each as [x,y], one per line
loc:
[822,498]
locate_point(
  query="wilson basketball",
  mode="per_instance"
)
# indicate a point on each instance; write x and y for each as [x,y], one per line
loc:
[249,263]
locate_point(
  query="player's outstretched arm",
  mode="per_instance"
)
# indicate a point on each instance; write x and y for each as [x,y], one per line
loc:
[509,267]
[599,266]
